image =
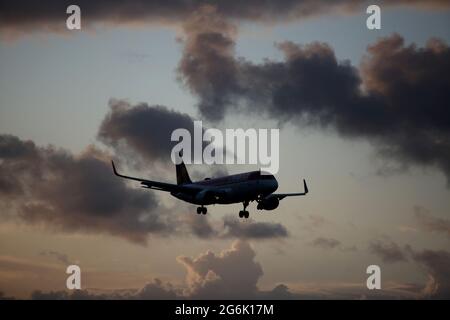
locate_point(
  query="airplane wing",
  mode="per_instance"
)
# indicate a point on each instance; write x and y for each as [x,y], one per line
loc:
[156,185]
[281,196]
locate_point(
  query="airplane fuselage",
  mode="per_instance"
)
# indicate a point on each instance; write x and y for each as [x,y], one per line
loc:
[230,189]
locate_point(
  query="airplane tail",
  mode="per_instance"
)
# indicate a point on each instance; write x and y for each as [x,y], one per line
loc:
[182,174]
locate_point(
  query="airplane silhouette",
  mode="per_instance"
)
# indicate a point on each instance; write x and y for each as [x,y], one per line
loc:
[238,188]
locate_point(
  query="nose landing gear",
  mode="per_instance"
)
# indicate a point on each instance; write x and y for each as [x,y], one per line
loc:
[244,213]
[201,210]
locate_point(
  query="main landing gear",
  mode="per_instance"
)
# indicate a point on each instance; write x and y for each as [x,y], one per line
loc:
[244,213]
[201,210]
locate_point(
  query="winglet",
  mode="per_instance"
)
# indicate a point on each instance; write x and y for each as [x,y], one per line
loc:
[305,187]
[114,169]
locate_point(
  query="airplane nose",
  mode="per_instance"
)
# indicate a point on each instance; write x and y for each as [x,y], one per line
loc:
[274,184]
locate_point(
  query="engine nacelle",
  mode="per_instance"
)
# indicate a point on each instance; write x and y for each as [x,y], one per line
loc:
[269,203]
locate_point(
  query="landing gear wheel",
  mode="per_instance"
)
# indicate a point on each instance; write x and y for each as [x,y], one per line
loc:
[201,210]
[244,213]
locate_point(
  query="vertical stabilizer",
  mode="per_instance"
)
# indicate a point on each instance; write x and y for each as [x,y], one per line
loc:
[182,174]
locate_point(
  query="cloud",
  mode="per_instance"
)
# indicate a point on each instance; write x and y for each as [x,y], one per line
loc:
[233,273]
[314,221]
[71,193]
[61,257]
[141,135]
[5,297]
[326,243]
[431,223]
[79,193]
[157,289]
[18,275]
[388,251]
[208,67]
[200,225]
[396,100]
[437,264]
[21,16]
[330,243]
[231,227]
[142,131]
[230,274]
[414,89]
[75,193]
[250,229]
[154,290]
[354,291]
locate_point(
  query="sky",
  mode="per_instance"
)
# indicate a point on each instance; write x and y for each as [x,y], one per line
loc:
[363,117]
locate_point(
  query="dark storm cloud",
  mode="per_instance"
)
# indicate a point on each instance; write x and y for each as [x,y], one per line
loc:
[12,147]
[431,223]
[20,153]
[397,100]
[142,130]
[388,251]
[208,67]
[75,193]
[415,91]
[27,16]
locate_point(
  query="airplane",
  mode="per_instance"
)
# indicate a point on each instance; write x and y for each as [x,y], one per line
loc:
[238,188]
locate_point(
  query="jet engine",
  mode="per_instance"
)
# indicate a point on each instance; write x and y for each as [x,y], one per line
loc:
[269,203]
